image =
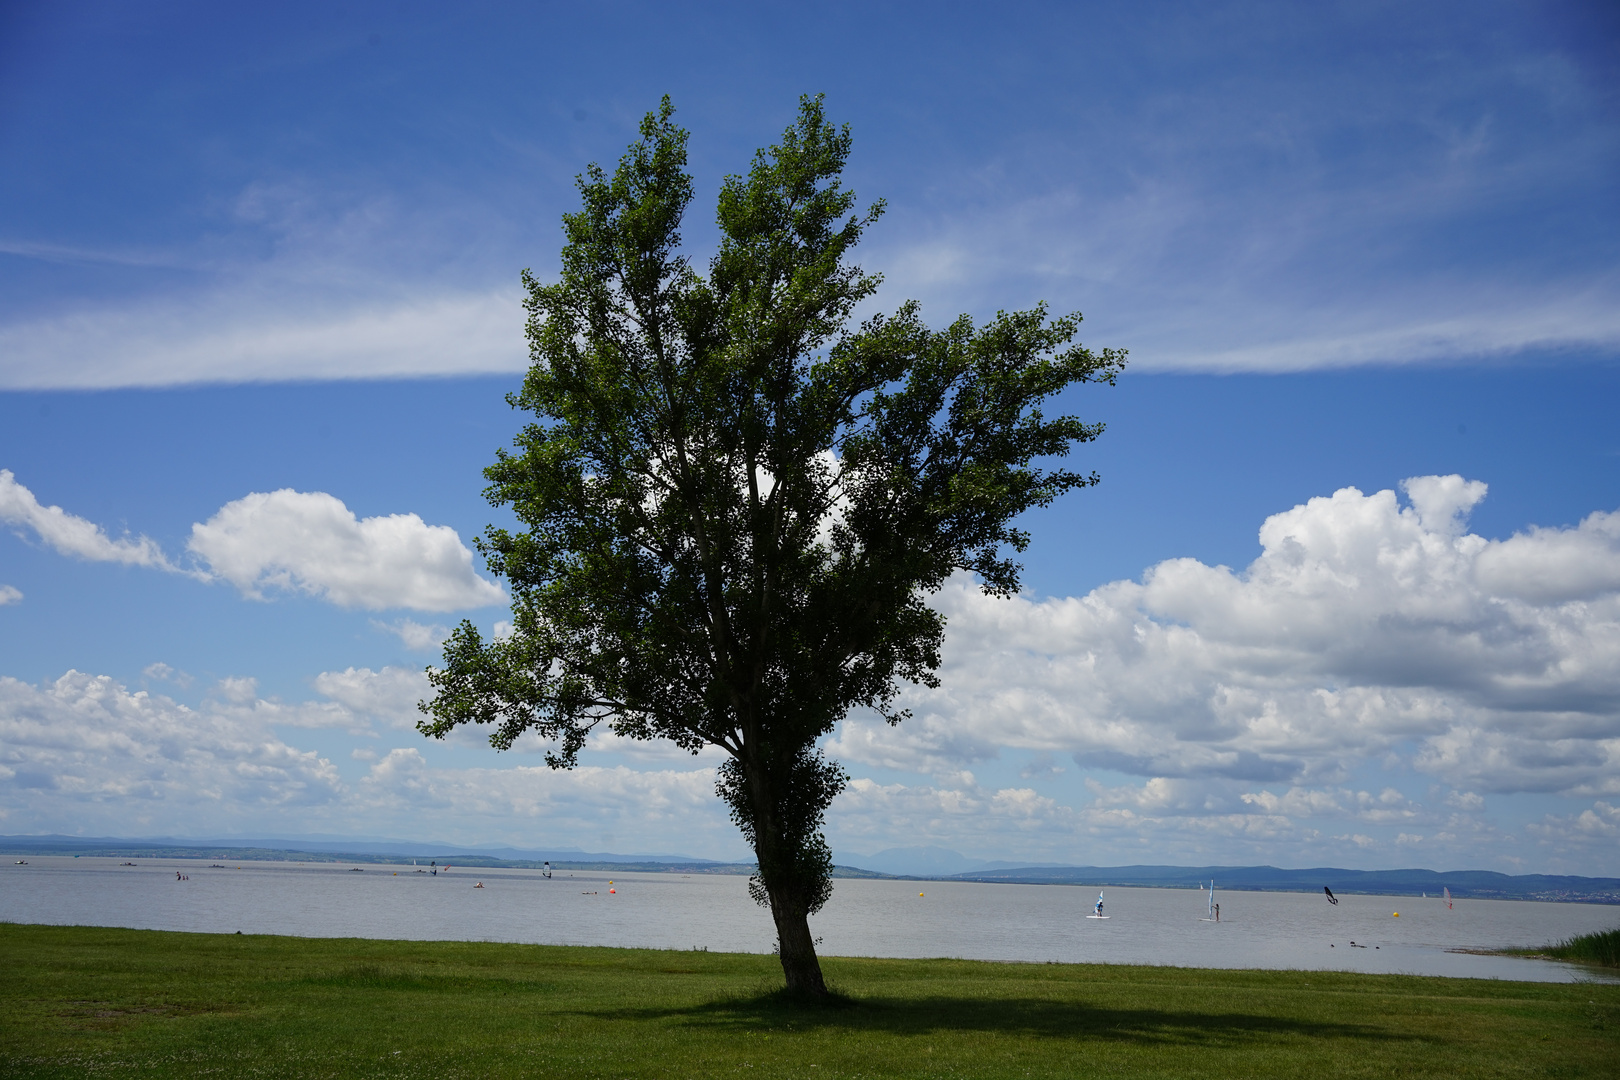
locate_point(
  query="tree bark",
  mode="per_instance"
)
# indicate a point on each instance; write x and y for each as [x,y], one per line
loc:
[796,948]
[783,877]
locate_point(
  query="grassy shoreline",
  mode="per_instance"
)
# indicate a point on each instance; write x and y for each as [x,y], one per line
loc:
[77,1000]
[1601,949]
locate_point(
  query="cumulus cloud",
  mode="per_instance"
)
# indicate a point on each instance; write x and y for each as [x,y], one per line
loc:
[238,690]
[1365,629]
[403,778]
[69,534]
[85,753]
[1155,823]
[161,672]
[1552,566]
[1174,820]
[86,750]
[310,542]
[1585,839]
[415,636]
[389,695]
[307,542]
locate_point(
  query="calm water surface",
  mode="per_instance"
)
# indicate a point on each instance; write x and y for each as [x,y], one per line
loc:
[1033,923]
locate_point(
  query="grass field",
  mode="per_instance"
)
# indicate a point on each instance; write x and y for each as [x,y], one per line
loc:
[77,1001]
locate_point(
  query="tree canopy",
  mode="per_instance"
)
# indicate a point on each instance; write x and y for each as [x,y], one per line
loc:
[735,504]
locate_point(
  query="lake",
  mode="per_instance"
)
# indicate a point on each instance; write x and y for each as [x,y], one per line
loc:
[1032,923]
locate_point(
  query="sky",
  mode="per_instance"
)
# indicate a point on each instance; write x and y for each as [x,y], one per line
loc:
[1348,593]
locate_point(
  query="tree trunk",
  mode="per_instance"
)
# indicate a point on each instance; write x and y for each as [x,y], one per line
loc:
[796,948]
[792,856]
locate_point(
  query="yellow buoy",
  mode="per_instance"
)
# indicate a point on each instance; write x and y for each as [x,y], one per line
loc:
[919,894]
[1397,915]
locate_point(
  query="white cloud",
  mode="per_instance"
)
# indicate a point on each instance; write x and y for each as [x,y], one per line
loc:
[71,535]
[1187,821]
[660,798]
[1583,840]
[238,690]
[1551,566]
[1365,629]
[415,636]
[1258,291]
[224,338]
[86,753]
[1460,325]
[1601,821]
[311,542]
[1040,766]
[604,741]
[306,542]
[389,695]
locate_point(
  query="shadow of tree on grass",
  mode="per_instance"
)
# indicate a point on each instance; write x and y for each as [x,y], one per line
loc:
[1022,1017]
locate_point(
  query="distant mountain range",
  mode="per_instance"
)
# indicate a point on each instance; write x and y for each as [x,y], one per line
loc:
[337,849]
[935,863]
[1475,884]
[919,863]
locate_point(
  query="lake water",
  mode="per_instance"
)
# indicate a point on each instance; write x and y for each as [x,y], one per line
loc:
[1034,923]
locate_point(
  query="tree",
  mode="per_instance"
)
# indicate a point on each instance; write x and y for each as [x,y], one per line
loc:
[735,505]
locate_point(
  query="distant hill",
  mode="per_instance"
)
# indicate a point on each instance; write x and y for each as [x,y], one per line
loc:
[338,849]
[388,852]
[1476,884]
[1464,884]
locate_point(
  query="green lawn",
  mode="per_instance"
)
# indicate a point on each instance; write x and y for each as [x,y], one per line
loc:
[78,1001]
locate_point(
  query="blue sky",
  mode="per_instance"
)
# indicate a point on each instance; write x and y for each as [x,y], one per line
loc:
[258,306]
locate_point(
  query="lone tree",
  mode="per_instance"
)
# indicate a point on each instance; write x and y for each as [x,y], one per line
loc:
[736,505]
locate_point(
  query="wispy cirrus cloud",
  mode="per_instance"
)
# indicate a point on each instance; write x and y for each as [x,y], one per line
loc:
[221,338]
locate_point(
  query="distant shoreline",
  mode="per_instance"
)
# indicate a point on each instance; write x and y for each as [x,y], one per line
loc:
[1464,884]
